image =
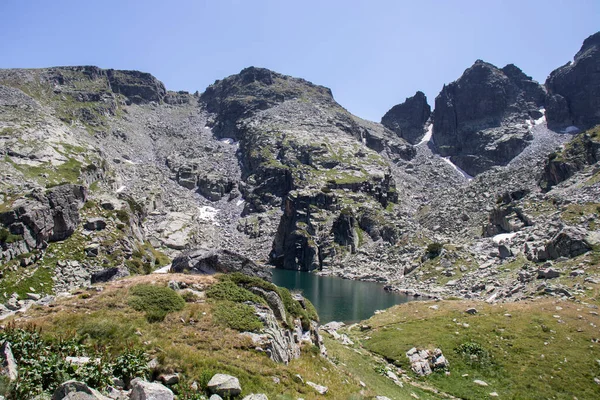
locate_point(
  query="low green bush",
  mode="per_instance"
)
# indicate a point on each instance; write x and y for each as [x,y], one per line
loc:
[42,364]
[155,301]
[237,316]
[228,290]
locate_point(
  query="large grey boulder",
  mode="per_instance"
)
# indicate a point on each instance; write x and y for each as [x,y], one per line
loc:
[224,385]
[574,89]
[142,390]
[481,119]
[9,365]
[109,274]
[569,242]
[203,261]
[74,390]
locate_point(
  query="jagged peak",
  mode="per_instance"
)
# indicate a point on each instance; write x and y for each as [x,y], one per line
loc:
[591,43]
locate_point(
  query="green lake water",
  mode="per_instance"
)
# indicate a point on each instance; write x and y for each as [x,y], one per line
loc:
[338,299]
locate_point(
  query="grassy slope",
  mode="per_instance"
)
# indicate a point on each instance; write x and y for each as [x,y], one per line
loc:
[544,349]
[189,341]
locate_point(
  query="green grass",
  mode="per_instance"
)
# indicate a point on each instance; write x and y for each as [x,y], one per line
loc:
[239,317]
[228,290]
[155,301]
[26,280]
[7,237]
[528,355]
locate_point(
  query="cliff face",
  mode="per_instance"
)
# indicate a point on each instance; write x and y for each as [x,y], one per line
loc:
[481,119]
[408,119]
[574,89]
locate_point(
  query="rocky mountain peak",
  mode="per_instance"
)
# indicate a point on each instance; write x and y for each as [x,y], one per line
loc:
[408,119]
[574,89]
[254,89]
[480,119]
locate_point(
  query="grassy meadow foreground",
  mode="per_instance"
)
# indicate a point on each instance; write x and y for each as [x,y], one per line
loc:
[539,349]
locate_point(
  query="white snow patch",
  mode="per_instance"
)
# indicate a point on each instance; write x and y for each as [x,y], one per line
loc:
[129,162]
[460,171]
[571,129]
[120,189]
[208,213]
[542,119]
[239,202]
[427,136]
[503,236]
[227,140]
[164,270]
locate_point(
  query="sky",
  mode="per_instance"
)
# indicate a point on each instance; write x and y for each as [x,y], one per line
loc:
[372,54]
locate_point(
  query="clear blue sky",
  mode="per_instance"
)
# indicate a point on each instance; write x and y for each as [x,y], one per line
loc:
[372,54]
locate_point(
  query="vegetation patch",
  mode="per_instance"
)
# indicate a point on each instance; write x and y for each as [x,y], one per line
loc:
[155,301]
[43,366]
[237,316]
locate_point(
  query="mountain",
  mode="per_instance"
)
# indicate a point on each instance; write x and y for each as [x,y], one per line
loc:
[491,197]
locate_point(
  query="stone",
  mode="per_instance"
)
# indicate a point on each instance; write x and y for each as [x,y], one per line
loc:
[569,242]
[8,365]
[480,382]
[204,261]
[224,385]
[215,397]
[547,273]
[169,379]
[95,224]
[408,119]
[471,311]
[142,390]
[74,390]
[253,396]
[109,274]
[319,388]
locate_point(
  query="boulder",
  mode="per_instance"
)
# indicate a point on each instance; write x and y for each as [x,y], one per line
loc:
[480,119]
[224,385]
[574,89]
[109,274]
[253,396]
[319,388]
[74,390]
[203,261]
[9,365]
[424,362]
[95,224]
[273,300]
[548,273]
[408,119]
[569,242]
[142,390]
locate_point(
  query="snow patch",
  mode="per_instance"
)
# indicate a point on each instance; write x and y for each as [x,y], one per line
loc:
[129,162]
[542,119]
[571,129]
[120,189]
[164,270]
[457,169]
[427,136]
[503,236]
[207,213]
[239,202]
[227,140]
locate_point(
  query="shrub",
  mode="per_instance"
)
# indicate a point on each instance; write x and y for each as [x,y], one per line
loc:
[228,290]
[474,354]
[155,301]
[237,316]
[7,237]
[434,249]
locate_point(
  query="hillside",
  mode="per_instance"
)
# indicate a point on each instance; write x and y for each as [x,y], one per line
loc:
[108,179]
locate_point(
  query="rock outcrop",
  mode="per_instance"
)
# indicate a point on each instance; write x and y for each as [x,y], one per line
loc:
[582,151]
[574,89]
[77,390]
[44,217]
[212,261]
[481,119]
[408,119]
